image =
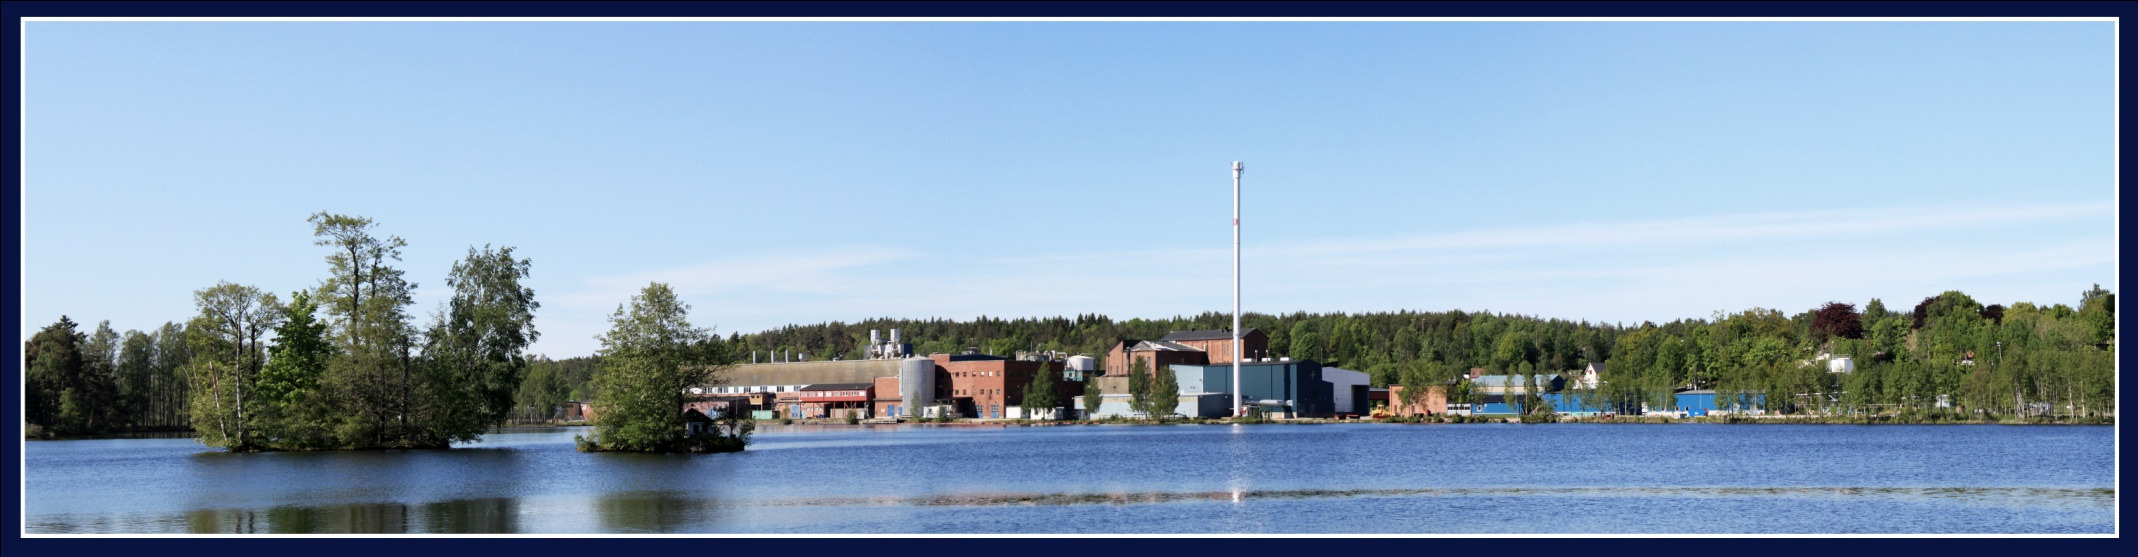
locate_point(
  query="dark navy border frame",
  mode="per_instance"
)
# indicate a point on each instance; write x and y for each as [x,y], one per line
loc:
[10,387]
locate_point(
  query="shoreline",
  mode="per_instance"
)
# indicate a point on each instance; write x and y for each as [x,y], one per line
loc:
[1725,420]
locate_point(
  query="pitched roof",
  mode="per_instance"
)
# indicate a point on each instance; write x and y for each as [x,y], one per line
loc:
[804,373]
[1163,346]
[1511,380]
[1214,334]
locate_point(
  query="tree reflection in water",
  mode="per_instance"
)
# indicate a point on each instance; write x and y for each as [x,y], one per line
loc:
[495,515]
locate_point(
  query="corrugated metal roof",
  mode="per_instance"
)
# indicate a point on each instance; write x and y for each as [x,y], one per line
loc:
[1163,346]
[839,387]
[1505,380]
[805,373]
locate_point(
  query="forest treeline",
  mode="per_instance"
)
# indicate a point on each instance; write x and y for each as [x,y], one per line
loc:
[1949,353]
[343,365]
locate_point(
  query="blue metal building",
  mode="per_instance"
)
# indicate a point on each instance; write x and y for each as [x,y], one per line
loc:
[1294,388]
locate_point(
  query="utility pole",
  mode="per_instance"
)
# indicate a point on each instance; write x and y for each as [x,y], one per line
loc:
[1236,390]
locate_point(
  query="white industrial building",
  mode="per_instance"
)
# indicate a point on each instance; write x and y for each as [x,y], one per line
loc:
[1350,387]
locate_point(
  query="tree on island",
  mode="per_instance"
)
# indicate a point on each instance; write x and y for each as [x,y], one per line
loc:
[477,344]
[227,361]
[297,409]
[366,300]
[650,357]
[362,377]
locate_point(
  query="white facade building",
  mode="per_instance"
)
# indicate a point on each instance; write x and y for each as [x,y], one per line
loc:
[1346,383]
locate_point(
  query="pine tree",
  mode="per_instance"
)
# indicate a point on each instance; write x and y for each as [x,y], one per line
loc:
[297,413]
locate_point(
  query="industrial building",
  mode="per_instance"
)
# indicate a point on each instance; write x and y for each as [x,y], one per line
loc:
[836,400]
[1285,389]
[1186,348]
[1400,402]
[983,386]
[1351,390]
[898,384]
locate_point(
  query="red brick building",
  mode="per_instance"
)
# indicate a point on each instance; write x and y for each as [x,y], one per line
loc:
[985,386]
[888,400]
[1185,347]
[715,405]
[1434,403]
[1218,343]
[837,400]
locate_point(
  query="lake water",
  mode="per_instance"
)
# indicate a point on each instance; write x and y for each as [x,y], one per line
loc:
[1350,478]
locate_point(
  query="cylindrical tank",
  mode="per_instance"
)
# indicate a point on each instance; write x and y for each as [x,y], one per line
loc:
[894,336]
[1083,363]
[916,383]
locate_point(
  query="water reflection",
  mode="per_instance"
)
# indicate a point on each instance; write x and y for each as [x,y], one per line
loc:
[473,516]
[461,516]
[654,512]
[1333,478]
[1988,495]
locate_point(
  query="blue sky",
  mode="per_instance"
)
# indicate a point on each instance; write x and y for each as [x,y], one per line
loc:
[799,172]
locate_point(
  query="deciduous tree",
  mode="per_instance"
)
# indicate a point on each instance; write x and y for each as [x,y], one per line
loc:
[226,364]
[650,356]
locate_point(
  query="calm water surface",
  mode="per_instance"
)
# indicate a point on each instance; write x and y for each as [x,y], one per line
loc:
[1362,478]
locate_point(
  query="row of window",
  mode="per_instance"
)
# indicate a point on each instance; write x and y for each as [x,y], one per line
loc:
[758,389]
[970,392]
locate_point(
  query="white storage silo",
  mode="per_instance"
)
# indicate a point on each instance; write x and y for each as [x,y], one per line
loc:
[916,383]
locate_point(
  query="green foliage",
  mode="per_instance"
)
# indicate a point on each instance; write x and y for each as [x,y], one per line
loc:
[549,384]
[1039,393]
[475,356]
[1093,397]
[1140,399]
[52,363]
[374,378]
[225,369]
[650,356]
[353,378]
[294,408]
[1165,394]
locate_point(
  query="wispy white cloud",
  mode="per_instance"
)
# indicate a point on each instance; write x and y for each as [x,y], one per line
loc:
[1646,270]
[1709,230]
[822,273]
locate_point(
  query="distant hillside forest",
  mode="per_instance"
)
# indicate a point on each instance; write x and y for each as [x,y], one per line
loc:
[1947,352]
